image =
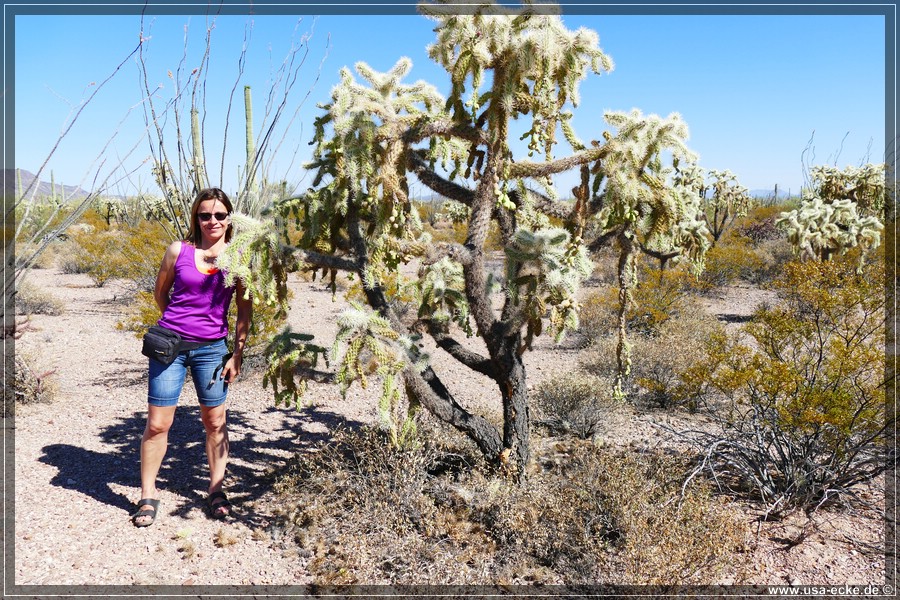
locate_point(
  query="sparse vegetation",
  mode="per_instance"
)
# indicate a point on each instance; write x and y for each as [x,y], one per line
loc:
[430,515]
[576,403]
[32,300]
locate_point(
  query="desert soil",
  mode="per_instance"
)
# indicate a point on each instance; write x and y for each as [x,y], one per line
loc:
[76,461]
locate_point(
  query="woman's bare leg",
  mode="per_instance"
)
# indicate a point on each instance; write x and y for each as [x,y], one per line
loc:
[153,448]
[214,422]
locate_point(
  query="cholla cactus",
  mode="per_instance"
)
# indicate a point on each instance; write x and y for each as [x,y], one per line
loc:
[455,212]
[112,208]
[819,229]
[545,268]
[154,208]
[864,186]
[503,64]
[370,345]
[442,295]
[642,210]
[840,212]
[723,199]
[286,354]
[256,257]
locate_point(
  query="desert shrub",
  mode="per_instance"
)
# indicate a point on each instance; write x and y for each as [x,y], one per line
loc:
[362,512]
[804,415]
[47,259]
[142,248]
[774,255]
[758,225]
[140,314]
[575,403]
[130,253]
[658,296]
[97,255]
[663,532]
[733,259]
[658,358]
[32,300]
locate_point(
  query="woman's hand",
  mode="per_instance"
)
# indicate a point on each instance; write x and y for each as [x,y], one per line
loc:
[232,368]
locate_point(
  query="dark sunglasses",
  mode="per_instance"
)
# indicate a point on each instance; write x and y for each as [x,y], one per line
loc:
[205,216]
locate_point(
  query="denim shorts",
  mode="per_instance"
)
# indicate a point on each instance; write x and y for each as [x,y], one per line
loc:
[206,363]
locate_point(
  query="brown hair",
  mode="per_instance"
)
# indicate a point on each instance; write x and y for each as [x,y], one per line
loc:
[194,236]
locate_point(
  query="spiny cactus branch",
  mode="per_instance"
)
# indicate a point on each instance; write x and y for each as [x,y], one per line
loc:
[561,165]
[327,261]
[472,360]
[436,183]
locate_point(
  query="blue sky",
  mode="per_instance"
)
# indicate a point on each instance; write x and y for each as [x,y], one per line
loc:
[754,90]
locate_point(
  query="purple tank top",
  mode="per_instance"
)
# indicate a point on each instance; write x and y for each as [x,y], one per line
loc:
[198,306]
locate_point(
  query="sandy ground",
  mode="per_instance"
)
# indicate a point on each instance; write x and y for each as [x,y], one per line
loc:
[76,461]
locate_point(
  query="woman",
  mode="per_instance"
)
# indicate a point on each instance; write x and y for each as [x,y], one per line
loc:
[198,310]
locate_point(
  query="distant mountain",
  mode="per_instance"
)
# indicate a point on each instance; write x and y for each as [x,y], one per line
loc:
[42,188]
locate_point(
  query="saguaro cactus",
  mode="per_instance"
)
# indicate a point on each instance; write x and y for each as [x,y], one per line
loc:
[251,149]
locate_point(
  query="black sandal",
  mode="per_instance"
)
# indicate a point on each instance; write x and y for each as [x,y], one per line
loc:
[154,506]
[213,507]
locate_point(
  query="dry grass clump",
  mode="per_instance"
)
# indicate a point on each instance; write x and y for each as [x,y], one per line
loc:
[576,402]
[33,384]
[226,537]
[32,300]
[366,513]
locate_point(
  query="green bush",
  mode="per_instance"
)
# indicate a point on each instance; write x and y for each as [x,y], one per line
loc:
[804,415]
[130,253]
[659,359]
[733,259]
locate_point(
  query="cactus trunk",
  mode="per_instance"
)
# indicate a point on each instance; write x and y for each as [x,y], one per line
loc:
[197,147]
[251,149]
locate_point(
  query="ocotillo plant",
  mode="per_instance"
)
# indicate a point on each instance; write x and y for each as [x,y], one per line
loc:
[180,157]
[357,215]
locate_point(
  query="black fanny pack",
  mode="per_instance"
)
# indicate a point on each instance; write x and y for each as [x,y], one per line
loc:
[164,344]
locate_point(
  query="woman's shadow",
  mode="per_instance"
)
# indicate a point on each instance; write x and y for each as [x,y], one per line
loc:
[254,456]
